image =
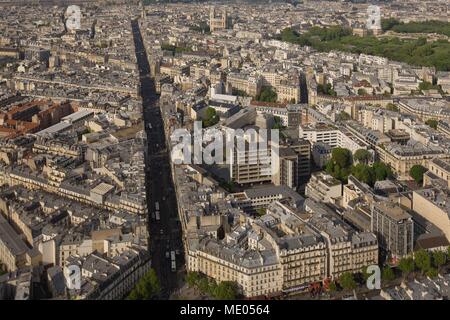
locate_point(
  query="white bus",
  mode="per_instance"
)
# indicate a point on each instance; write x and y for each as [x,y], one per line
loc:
[157,216]
[174,266]
[172,255]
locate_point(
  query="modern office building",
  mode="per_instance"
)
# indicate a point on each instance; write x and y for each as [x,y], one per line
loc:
[394,228]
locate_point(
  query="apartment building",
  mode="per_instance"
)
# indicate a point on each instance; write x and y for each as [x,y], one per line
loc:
[287,92]
[426,109]
[257,272]
[14,253]
[33,181]
[251,85]
[347,250]
[104,278]
[284,252]
[441,169]
[401,158]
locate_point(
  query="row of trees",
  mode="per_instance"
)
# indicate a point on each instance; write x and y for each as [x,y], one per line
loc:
[225,290]
[429,264]
[341,165]
[147,288]
[431,26]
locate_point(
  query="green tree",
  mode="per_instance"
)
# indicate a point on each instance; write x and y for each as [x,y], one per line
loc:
[277,123]
[203,285]
[347,282]
[343,116]
[425,85]
[364,173]
[326,89]
[388,274]
[267,94]
[339,165]
[362,92]
[365,274]
[411,51]
[210,113]
[211,288]
[332,287]
[416,172]
[211,117]
[342,157]
[392,107]
[422,260]
[406,265]
[226,290]
[261,211]
[388,24]
[362,155]
[382,171]
[432,273]
[439,259]
[192,278]
[147,288]
[432,123]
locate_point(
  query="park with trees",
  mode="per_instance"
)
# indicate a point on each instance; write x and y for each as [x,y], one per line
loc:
[342,164]
[418,52]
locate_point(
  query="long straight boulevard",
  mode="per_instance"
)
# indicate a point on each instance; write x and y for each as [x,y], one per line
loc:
[165,233]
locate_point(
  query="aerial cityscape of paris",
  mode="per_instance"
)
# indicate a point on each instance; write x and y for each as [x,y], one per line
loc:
[252,151]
